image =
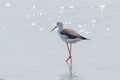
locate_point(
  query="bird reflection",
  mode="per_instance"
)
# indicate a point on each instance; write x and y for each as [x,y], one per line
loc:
[70,75]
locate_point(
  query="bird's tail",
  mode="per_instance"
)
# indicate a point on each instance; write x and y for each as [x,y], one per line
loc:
[87,39]
[84,38]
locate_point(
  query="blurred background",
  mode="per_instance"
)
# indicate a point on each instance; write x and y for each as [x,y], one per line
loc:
[29,51]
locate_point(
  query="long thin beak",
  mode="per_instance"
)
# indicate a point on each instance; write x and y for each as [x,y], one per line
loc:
[53,28]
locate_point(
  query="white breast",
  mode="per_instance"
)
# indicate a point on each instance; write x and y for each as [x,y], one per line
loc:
[67,40]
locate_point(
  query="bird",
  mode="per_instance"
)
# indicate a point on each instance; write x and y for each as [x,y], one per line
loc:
[69,36]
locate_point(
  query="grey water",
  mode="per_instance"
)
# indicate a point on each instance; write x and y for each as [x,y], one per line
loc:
[29,51]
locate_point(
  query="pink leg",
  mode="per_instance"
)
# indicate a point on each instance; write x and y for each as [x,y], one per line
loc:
[69,50]
[70,54]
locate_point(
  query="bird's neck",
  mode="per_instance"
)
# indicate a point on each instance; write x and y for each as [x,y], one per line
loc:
[60,28]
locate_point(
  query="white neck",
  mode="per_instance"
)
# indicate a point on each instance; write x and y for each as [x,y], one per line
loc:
[59,28]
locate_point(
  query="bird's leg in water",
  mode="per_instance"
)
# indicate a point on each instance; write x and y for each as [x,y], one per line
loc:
[69,50]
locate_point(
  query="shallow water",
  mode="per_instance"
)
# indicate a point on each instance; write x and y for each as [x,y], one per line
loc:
[29,51]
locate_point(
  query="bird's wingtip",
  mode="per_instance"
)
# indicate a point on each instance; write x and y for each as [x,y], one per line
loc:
[84,38]
[88,39]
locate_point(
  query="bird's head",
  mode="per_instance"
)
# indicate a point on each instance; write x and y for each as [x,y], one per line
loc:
[59,25]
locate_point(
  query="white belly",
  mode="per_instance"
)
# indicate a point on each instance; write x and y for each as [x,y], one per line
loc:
[67,40]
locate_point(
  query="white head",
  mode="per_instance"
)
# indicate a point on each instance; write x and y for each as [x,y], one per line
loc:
[59,25]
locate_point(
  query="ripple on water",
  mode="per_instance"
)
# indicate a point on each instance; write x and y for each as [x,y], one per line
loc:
[33,6]
[67,22]
[108,29]
[79,26]
[62,7]
[33,24]
[93,21]
[102,7]
[41,29]
[7,4]
[71,6]
[88,32]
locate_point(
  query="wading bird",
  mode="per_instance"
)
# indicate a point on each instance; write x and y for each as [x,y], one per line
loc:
[69,36]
